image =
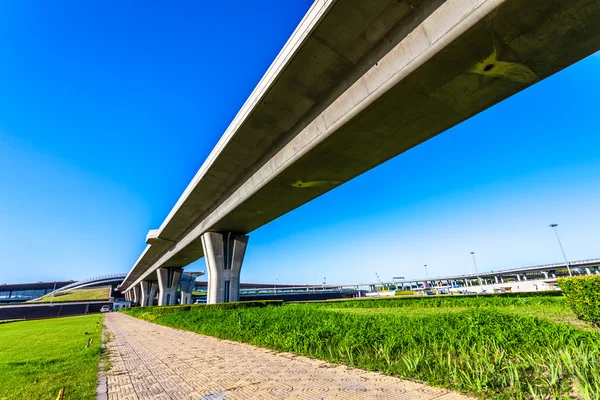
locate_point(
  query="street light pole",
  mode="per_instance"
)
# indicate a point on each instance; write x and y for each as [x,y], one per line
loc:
[475,263]
[52,297]
[553,226]
[426,274]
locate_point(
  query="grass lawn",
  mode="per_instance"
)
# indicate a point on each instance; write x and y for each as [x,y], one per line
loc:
[553,308]
[37,358]
[490,347]
[78,295]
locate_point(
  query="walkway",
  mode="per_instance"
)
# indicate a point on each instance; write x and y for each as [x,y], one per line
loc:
[149,361]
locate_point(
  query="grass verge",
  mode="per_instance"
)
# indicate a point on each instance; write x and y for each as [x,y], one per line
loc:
[480,348]
[37,358]
[77,295]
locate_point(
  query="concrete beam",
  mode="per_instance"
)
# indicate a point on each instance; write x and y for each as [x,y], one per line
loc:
[224,254]
[153,238]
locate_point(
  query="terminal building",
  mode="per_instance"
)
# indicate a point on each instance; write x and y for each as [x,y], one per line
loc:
[20,292]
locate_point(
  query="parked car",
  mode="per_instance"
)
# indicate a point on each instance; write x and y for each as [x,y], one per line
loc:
[105,309]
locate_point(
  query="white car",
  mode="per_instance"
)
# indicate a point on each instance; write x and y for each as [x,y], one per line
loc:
[105,309]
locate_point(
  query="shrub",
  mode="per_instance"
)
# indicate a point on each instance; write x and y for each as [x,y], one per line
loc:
[404,293]
[583,296]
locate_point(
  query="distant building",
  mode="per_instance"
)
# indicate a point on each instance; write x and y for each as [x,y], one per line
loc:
[21,292]
[118,304]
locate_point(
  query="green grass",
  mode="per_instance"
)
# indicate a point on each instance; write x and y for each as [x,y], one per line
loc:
[77,295]
[491,347]
[37,358]
[553,308]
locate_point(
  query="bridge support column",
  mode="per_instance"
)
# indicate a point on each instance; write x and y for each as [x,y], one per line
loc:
[152,295]
[224,254]
[186,290]
[168,279]
[136,295]
[144,289]
[496,278]
[545,274]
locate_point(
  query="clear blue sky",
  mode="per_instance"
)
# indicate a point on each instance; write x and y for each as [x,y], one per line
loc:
[107,110]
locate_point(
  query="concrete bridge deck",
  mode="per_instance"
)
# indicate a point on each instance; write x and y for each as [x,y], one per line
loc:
[358,82]
[150,361]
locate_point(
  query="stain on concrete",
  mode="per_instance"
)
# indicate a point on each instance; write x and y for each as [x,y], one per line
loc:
[313,184]
[215,396]
[512,71]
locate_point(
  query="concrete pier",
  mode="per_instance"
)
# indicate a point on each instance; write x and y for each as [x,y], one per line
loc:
[152,295]
[224,254]
[168,279]
[187,284]
[136,295]
[145,293]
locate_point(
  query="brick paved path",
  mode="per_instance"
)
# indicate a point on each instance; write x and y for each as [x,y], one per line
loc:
[149,361]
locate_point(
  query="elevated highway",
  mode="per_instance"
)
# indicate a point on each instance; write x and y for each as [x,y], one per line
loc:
[357,83]
[547,272]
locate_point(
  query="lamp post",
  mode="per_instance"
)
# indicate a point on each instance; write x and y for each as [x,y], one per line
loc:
[52,297]
[426,275]
[476,270]
[553,226]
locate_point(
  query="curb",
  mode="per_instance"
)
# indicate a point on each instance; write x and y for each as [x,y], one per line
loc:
[102,389]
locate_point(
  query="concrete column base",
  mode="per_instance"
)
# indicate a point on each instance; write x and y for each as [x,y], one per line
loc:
[168,279]
[224,254]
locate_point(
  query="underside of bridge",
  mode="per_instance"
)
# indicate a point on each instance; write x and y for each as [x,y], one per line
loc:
[358,83]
